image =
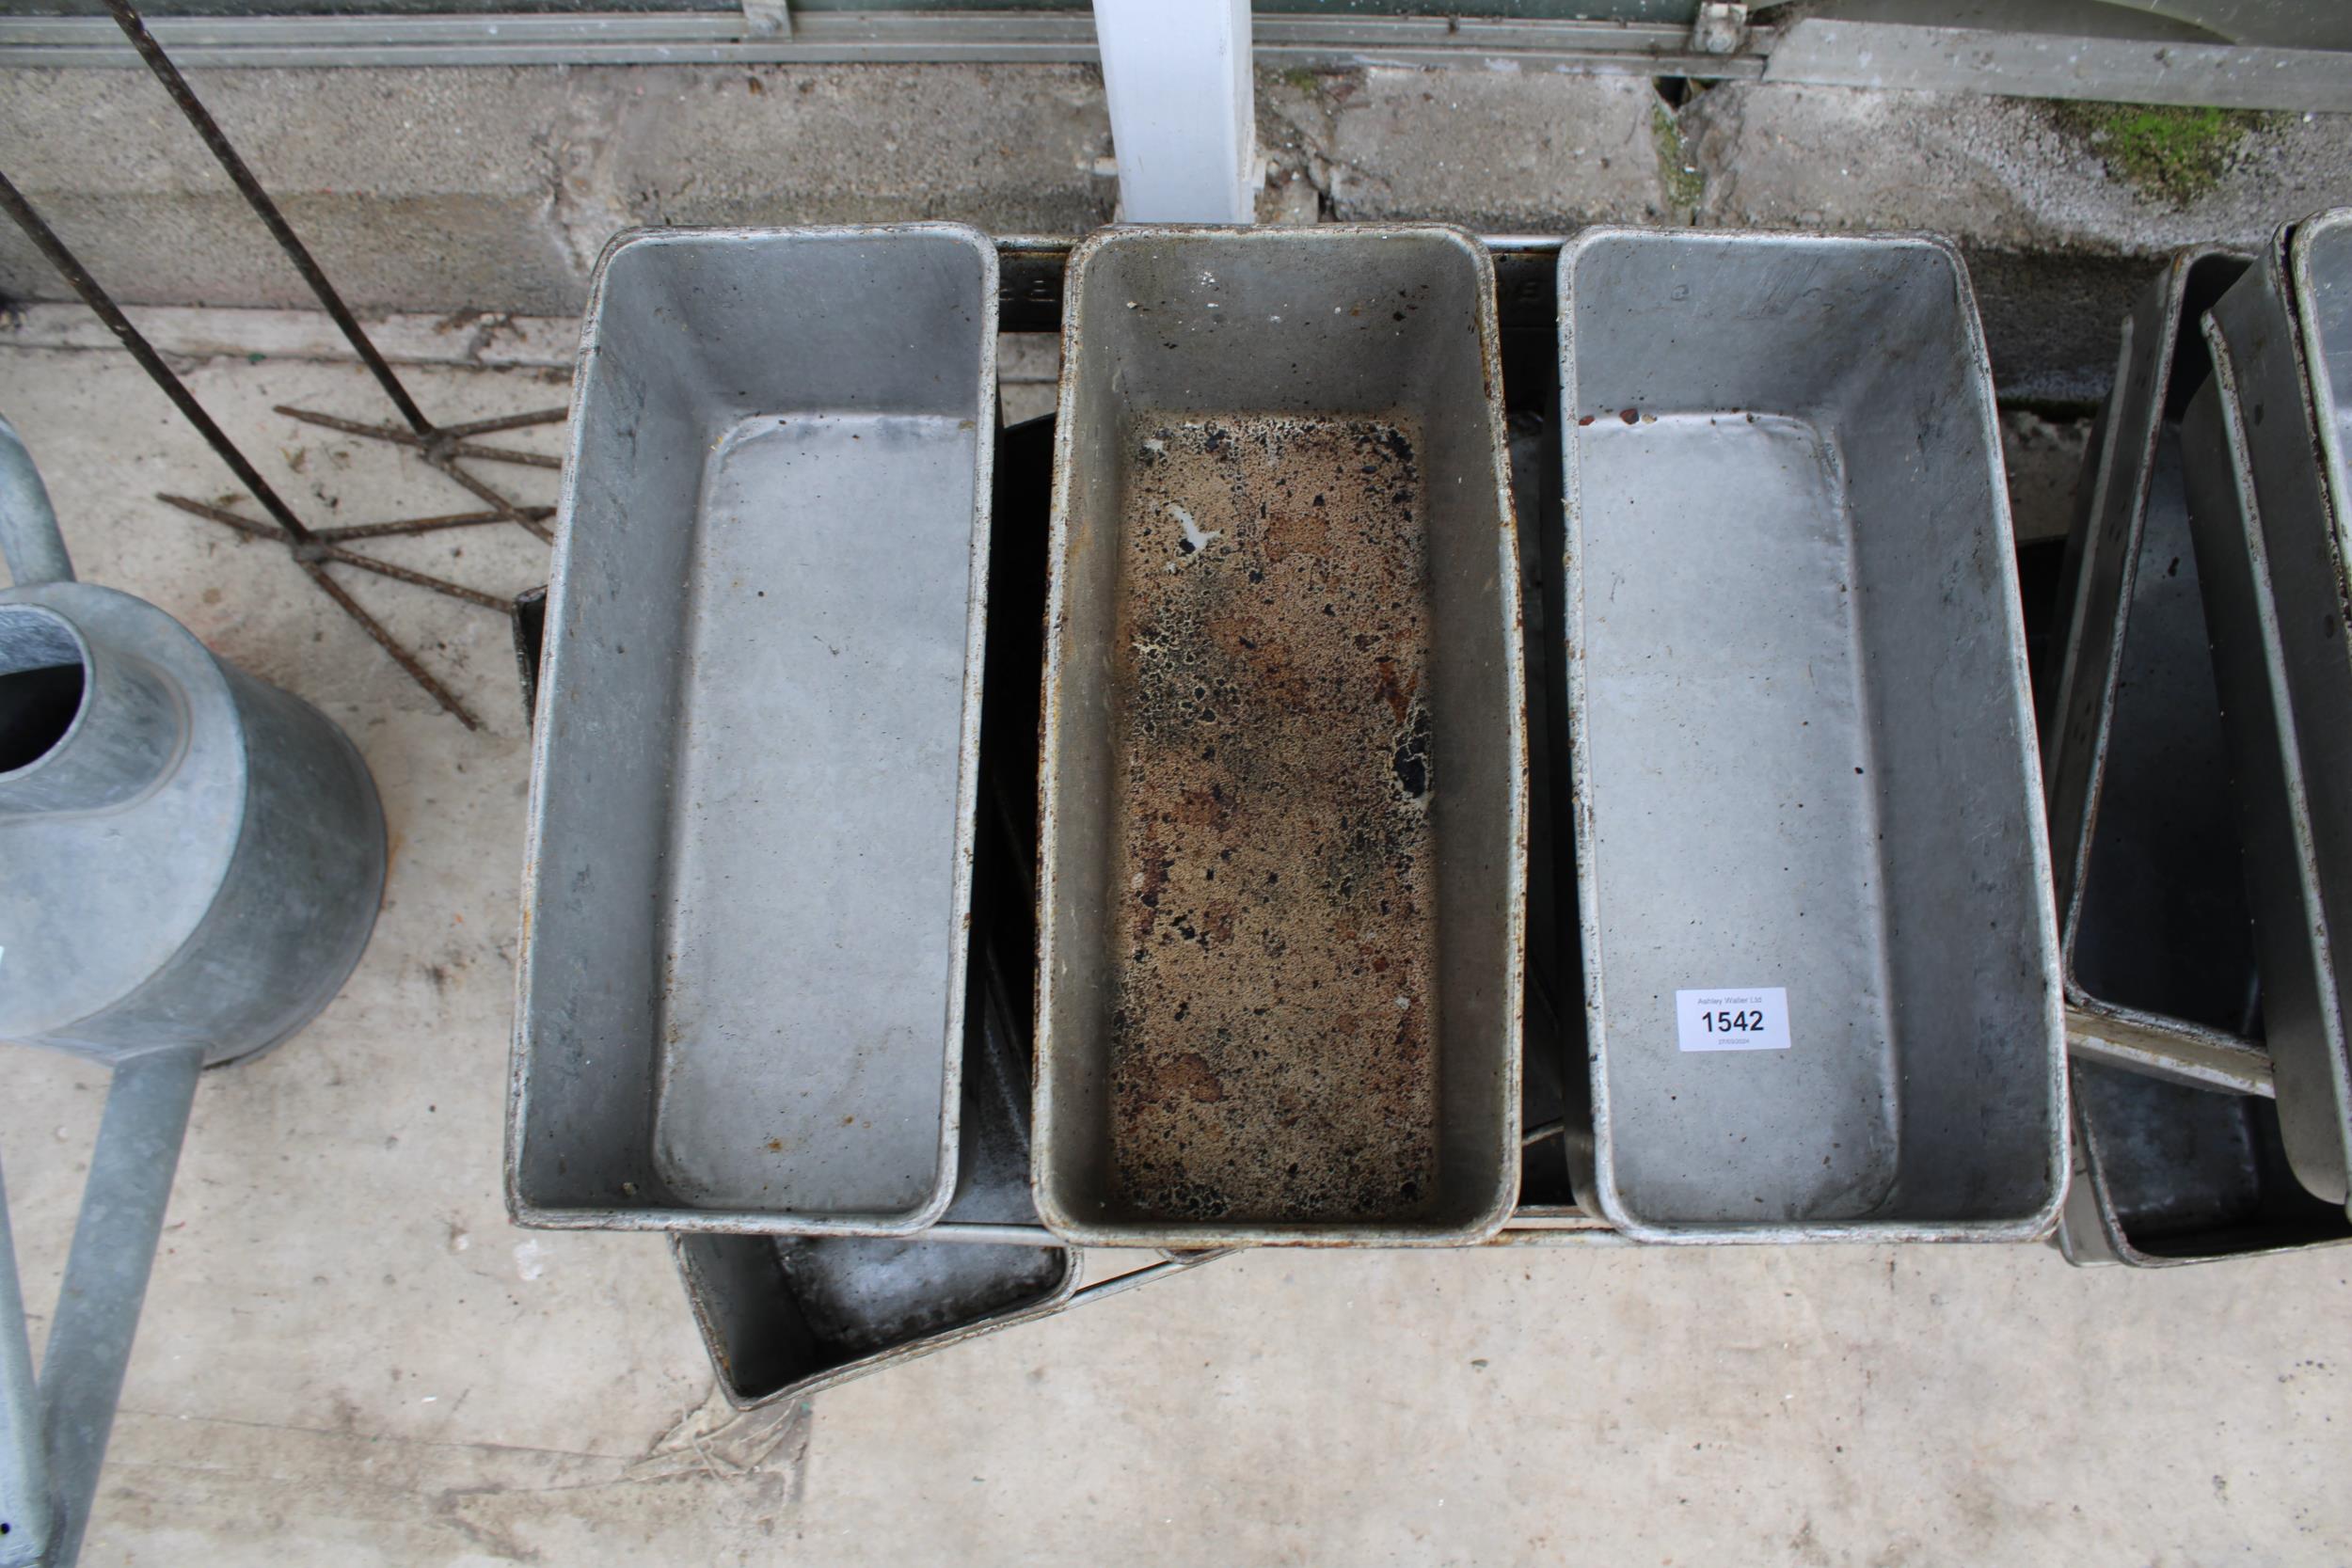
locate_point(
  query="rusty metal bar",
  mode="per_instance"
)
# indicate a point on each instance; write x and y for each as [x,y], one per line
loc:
[265,209]
[316,549]
[385,640]
[505,454]
[351,427]
[220,515]
[514,513]
[508,421]
[442,454]
[502,454]
[102,304]
[428,525]
[402,574]
[439,442]
[369,624]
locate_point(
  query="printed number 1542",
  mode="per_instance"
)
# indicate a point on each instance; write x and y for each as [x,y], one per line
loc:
[1732,1018]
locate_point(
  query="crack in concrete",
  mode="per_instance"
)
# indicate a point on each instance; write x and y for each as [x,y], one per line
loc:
[1298,116]
[1710,126]
[1681,177]
[578,157]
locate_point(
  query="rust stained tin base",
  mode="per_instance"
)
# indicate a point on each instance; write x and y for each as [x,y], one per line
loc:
[1284,771]
[1271,1041]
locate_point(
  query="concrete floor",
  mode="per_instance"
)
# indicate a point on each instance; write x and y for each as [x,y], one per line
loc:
[349,1356]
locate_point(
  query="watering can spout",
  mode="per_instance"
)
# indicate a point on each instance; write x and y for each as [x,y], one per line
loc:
[28,524]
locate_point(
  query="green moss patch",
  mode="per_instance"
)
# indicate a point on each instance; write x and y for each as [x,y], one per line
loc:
[1684,184]
[2171,153]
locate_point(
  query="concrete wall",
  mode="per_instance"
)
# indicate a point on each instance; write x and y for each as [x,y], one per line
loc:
[494,188]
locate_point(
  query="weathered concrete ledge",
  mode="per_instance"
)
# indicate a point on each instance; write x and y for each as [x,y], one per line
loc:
[494,188]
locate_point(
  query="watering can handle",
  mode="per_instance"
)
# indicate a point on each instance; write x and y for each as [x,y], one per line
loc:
[56,1431]
[28,524]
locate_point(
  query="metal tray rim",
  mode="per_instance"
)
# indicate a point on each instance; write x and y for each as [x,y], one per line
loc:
[2228,391]
[2025,1227]
[2209,1058]
[2120,1245]
[1045,1305]
[1497,1212]
[2297,240]
[2078,836]
[522,1209]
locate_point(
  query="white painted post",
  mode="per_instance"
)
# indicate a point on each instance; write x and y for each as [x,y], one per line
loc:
[1184,118]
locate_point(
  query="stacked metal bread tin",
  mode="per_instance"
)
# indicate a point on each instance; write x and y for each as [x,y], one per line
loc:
[1193,820]
[2197,767]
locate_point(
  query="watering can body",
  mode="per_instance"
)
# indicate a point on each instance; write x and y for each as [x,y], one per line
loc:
[188,856]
